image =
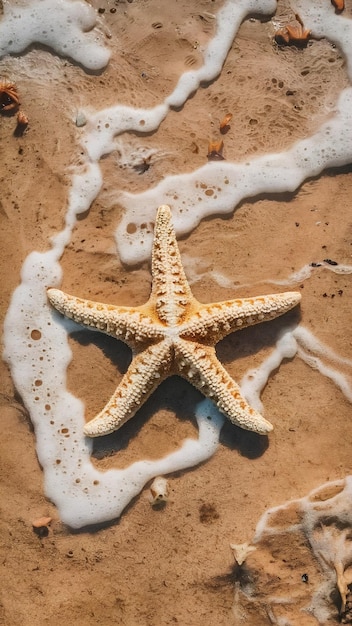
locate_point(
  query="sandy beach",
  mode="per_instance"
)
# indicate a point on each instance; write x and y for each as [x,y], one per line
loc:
[173,564]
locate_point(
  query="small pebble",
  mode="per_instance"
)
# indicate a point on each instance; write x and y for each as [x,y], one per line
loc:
[81,119]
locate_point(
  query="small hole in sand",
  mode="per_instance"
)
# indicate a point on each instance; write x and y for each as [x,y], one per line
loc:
[36,334]
[131,228]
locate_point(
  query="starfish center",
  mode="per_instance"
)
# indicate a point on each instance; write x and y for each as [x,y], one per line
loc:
[173,333]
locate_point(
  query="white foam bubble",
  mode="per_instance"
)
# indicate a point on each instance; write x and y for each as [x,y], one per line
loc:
[297,340]
[60,24]
[308,351]
[306,272]
[308,342]
[256,379]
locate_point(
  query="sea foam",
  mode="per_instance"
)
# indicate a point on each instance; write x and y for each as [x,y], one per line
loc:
[60,24]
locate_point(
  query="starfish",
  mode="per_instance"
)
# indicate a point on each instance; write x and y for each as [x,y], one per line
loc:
[173,333]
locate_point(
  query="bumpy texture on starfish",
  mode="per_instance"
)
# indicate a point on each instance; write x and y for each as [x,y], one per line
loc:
[173,333]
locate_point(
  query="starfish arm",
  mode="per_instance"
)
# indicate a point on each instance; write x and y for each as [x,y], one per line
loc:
[171,295]
[147,370]
[199,365]
[212,322]
[124,323]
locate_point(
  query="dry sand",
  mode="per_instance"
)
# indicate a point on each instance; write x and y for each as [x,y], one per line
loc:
[174,565]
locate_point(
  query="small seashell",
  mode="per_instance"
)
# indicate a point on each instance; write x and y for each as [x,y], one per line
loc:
[22,123]
[22,119]
[215,149]
[42,521]
[225,122]
[159,490]
[338,4]
[295,34]
[40,526]
[241,551]
[9,98]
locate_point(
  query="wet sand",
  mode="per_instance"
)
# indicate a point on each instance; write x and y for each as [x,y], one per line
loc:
[174,565]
